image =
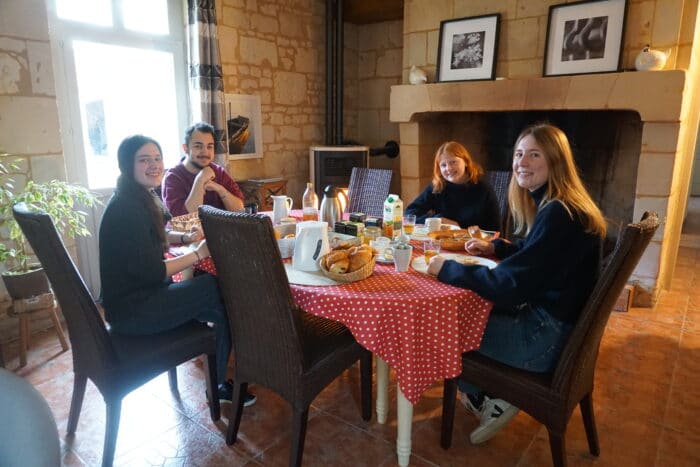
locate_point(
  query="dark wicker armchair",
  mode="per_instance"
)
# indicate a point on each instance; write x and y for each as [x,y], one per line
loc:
[551,398]
[499,181]
[368,190]
[275,344]
[116,364]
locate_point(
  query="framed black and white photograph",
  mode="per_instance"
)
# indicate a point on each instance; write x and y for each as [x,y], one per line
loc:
[584,37]
[243,126]
[467,48]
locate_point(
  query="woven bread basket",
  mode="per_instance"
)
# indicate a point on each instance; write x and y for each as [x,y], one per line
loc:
[185,222]
[363,273]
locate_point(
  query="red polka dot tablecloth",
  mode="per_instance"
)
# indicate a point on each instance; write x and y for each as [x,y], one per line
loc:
[415,323]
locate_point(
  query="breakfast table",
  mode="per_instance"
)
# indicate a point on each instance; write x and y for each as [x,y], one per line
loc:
[412,323]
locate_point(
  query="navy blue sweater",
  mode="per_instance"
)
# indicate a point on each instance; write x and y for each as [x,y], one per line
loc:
[553,268]
[470,204]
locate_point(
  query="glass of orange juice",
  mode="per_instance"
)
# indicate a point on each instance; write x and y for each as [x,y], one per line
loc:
[431,248]
[409,223]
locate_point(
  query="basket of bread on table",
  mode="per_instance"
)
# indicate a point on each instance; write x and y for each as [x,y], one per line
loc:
[455,239]
[348,262]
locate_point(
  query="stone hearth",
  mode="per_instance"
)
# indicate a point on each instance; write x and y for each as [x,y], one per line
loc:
[431,114]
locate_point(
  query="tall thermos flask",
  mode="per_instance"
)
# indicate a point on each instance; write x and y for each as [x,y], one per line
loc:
[331,209]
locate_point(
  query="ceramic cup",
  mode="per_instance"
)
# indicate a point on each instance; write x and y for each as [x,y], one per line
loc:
[402,258]
[433,223]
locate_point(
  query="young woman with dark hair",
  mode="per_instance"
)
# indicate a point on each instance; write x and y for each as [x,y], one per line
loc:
[138,294]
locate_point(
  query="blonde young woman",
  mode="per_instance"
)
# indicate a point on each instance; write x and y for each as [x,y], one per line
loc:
[543,281]
[456,194]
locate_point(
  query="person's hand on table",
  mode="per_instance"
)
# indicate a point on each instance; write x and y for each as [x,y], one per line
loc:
[435,265]
[202,250]
[194,235]
[479,247]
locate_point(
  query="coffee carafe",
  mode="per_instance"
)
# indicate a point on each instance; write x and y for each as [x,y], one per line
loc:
[331,209]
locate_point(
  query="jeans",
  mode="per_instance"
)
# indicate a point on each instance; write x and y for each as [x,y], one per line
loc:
[172,306]
[526,338]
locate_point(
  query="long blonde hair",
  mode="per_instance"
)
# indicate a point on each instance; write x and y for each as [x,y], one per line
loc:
[471,168]
[563,183]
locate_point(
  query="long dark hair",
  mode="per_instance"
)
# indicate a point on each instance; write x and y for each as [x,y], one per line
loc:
[128,186]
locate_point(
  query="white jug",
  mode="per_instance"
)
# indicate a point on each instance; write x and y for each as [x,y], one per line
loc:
[311,243]
[281,204]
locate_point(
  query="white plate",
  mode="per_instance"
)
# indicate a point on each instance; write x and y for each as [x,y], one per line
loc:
[384,259]
[419,265]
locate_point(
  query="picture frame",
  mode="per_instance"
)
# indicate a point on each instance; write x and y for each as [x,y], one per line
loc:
[467,48]
[584,37]
[243,126]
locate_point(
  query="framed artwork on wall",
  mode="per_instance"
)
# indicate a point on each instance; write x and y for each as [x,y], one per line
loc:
[584,37]
[467,48]
[243,126]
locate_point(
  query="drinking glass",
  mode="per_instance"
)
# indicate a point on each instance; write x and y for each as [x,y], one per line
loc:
[409,223]
[431,248]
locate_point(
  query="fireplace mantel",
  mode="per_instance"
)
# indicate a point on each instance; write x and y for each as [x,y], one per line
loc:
[655,95]
[424,113]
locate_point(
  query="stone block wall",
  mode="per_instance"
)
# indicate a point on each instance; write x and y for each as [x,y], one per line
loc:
[276,49]
[665,24]
[29,125]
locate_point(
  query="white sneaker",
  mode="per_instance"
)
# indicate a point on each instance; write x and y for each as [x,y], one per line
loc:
[495,414]
[467,403]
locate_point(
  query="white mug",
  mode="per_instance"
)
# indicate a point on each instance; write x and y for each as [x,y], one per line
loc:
[433,223]
[402,258]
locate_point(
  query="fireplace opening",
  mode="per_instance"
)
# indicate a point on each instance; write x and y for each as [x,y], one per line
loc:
[606,146]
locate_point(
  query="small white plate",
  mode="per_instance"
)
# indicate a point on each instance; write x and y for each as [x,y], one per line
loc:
[419,265]
[384,259]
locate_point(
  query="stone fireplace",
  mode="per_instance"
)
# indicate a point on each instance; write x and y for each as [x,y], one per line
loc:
[628,142]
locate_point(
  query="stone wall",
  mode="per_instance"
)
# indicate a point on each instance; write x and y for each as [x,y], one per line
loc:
[29,125]
[665,24]
[276,49]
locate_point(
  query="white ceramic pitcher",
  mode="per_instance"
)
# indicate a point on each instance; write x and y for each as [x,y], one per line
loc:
[281,204]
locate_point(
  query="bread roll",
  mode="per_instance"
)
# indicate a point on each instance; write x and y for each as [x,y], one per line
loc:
[361,257]
[340,267]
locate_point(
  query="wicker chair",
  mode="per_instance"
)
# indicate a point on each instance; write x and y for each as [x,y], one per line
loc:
[499,181]
[276,344]
[551,398]
[115,364]
[368,190]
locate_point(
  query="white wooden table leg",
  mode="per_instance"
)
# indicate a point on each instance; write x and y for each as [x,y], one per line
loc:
[404,422]
[382,389]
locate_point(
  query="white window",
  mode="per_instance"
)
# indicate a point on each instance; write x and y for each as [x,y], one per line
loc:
[120,70]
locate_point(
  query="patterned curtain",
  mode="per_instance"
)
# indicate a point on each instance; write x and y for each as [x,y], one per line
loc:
[205,75]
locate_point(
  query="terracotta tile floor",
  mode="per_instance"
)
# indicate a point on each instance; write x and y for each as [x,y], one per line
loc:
[647,402]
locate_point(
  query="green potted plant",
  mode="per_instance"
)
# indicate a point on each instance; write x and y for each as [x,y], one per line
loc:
[22,278]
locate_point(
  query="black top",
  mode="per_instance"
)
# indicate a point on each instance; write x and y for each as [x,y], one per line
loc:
[553,268]
[467,204]
[131,256]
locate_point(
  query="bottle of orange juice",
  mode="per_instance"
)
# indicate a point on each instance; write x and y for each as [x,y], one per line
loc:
[309,203]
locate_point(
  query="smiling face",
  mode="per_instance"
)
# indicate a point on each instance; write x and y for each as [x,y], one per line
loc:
[148,166]
[529,164]
[200,151]
[452,168]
